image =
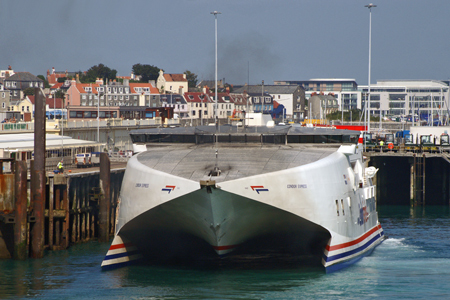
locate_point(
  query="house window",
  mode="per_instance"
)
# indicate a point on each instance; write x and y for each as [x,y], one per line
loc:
[28,108]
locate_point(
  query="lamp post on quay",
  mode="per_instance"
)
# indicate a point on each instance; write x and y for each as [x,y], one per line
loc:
[215,13]
[369,6]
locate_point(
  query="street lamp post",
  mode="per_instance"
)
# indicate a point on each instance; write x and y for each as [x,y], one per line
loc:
[216,168]
[98,116]
[369,6]
[215,13]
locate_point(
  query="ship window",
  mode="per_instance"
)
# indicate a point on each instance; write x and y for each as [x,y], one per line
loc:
[342,203]
[337,207]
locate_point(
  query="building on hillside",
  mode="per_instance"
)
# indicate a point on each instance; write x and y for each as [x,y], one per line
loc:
[211,84]
[292,97]
[148,94]
[172,83]
[262,103]
[241,102]
[53,76]
[199,105]
[344,90]
[225,105]
[4,103]
[131,77]
[6,73]
[54,107]
[25,107]
[319,106]
[407,97]
[20,81]
[85,99]
[178,103]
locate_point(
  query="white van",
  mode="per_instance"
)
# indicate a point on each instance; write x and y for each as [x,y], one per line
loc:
[83,160]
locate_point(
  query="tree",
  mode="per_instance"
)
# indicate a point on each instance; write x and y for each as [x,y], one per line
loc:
[59,94]
[147,72]
[28,91]
[99,71]
[191,78]
[46,85]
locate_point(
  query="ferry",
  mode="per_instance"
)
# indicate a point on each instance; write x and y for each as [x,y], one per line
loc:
[216,199]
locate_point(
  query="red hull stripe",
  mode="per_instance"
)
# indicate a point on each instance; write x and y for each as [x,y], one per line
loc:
[218,248]
[354,242]
[257,187]
[118,246]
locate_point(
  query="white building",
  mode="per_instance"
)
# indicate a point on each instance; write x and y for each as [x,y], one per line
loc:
[407,97]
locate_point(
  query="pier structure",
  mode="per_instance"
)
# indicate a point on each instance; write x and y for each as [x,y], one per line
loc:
[411,178]
[78,207]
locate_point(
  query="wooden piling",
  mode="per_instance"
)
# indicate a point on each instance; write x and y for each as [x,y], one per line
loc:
[73,236]
[105,198]
[51,198]
[20,208]
[57,221]
[39,183]
[66,224]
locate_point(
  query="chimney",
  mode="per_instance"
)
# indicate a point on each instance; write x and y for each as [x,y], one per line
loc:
[99,81]
[53,70]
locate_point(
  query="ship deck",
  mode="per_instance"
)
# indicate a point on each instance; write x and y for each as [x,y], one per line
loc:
[195,162]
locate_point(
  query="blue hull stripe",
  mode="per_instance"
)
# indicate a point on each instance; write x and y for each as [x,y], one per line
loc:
[118,255]
[354,251]
[118,265]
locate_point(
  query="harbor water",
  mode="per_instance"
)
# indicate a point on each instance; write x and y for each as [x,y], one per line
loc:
[412,263]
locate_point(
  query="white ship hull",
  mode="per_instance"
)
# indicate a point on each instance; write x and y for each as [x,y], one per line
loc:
[326,208]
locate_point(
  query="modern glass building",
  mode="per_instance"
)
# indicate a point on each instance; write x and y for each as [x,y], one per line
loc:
[408,97]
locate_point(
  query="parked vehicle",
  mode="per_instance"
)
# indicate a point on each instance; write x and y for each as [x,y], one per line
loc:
[83,160]
[95,158]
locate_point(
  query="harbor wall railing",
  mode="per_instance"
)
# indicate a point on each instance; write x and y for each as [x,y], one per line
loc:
[73,124]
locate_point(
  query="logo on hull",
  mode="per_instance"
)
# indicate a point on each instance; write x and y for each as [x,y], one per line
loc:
[168,188]
[259,188]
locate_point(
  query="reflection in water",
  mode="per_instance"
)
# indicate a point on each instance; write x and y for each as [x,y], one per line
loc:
[416,253]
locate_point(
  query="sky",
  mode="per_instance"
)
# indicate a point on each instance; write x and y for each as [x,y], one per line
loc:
[257,39]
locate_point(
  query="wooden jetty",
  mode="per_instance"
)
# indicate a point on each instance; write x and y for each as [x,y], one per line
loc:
[79,206]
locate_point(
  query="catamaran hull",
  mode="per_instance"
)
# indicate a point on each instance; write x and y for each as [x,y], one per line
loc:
[316,209]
